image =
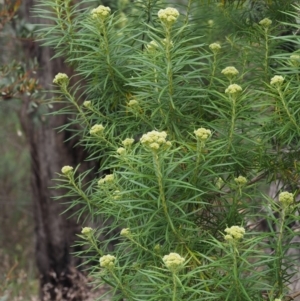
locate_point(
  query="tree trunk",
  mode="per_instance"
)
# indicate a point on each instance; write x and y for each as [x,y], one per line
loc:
[55,233]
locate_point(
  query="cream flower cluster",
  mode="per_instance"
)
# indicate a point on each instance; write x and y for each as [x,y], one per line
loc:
[240,180]
[97,129]
[266,22]
[168,15]
[86,230]
[286,198]
[107,261]
[165,41]
[173,261]
[230,71]
[101,12]
[155,140]
[121,150]
[128,142]
[234,233]
[133,103]
[152,46]
[202,134]
[61,79]
[67,170]
[277,80]
[233,89]
[219,183]
[157,248]
[125,232]
[215,47]
[295,59]
[210,23]
[116,195]
[107,179]
[87,104]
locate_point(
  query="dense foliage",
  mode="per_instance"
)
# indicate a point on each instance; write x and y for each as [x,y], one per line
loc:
[189,122]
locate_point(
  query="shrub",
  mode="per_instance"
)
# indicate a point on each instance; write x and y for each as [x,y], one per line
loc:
[187,134]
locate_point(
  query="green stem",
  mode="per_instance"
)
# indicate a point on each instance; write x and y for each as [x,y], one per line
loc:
[188,9]
[120,285]
[161,190]
[81,193]
[213,71]
[279,254]
[73,101]
[93,242]
[235,271]
[233,117]
[169,65]
[142,247]
[67,9]
[107,52]
[174,287]
[266,61]
[98,113]
[198,160]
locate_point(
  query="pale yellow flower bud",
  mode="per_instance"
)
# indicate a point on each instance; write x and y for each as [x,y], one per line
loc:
[165,41]
[219,183]
[121,150]
[87,103]
[266,22]
[154,140]
[277,80]
[210,23]
[286,198]
[125,232]
[86,231]
[173,262]
[295,60]
[233,89]
[234,233]
[101,12]
[168,16]
[154,146]
[107,261]
[202,134]
[240,180]
[109,178]
[106,179]
[128,142]
[157,247]
[215,47]
[67,170]
[152,46]
[61,79]
[116,195]
[230,72]
[133,103]
[97,129]
[228,237]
